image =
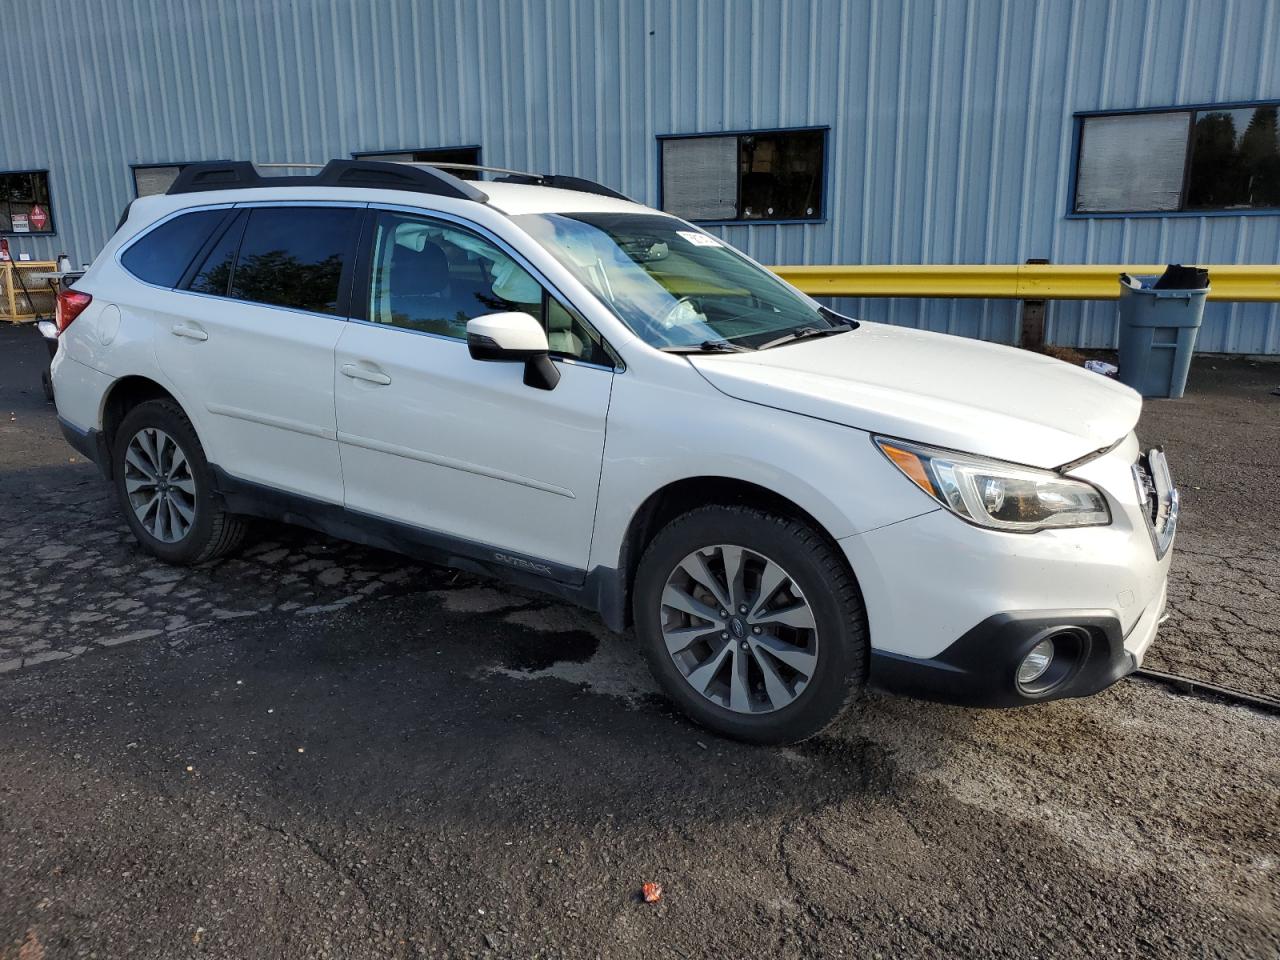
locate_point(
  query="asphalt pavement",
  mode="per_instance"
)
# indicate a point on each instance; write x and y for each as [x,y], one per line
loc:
[318,750]
[1223,439]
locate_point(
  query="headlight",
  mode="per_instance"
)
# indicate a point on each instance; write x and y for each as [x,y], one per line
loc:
[995,494]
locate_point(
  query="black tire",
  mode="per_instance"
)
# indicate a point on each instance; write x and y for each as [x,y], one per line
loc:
[213,532]
[819,572]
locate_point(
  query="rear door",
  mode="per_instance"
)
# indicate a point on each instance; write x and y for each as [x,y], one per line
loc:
[457,447]
[251,342]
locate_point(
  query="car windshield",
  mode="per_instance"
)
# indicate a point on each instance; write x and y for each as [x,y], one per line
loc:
[673,285]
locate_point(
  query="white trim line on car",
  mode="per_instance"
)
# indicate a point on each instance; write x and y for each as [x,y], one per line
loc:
[397,450]
[296,426]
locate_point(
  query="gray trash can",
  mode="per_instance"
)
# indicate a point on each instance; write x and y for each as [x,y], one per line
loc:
[1159,320]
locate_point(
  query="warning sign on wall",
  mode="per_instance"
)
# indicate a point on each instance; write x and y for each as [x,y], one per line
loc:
[20,223]
[38,217]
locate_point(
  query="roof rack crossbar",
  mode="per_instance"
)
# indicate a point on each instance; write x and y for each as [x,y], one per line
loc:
[371,174]
[560,181]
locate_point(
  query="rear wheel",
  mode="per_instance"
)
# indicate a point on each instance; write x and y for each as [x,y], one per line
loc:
[165,487]
[752,623]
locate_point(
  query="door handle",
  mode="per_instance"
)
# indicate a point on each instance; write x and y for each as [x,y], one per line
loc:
[356,372]
[189,330]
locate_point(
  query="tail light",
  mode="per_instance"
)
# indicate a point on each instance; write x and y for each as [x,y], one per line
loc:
[69,305]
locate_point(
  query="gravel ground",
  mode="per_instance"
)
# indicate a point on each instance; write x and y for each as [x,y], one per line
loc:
[317,750]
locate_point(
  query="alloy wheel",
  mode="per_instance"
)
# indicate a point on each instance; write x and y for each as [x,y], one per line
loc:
[159,484]
[739,629]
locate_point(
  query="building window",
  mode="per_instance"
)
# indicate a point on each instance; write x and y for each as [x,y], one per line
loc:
[773,175]
[1204,159]
[24,202]
[470,155]
[153,178]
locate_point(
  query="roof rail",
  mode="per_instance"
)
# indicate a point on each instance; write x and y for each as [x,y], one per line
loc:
[563,182]
[372,174]
[559,181]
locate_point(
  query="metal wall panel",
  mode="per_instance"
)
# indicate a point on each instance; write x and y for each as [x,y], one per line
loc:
[951,121]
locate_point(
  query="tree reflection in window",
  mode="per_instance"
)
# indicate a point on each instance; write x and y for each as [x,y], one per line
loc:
[280,278]
[293,257]
[1235,159]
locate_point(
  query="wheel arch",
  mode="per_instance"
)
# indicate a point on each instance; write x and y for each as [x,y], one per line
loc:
[125,394]
[679,497]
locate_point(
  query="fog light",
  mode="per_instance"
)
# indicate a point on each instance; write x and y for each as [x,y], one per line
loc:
[1035,663]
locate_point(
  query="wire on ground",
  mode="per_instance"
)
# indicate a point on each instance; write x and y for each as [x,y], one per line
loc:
[1203,688]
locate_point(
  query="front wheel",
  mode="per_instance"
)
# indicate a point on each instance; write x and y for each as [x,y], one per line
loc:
[752,623]
[165,487]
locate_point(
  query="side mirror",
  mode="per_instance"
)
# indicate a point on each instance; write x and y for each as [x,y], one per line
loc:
[514,338]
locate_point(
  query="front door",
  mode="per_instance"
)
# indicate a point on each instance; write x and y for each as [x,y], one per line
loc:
[457,447]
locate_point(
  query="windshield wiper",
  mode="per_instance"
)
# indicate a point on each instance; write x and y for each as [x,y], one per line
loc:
[709,346]
[839,318]
[803,333]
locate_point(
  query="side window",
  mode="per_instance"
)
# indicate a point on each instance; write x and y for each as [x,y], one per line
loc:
[294,257]
[570,337]
[163,255]
[434,277]
[214,274]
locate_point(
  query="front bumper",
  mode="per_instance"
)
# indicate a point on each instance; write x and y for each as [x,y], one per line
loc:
[934,578]
[980,669]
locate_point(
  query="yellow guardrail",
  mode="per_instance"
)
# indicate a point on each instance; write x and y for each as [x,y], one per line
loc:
[1018,281]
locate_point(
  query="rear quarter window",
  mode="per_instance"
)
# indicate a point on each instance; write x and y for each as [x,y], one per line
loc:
[162,256]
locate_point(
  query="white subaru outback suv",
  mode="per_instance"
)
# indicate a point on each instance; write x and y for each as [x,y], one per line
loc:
[537,379]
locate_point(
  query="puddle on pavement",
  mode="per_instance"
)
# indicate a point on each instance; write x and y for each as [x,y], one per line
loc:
[562,642]
[532,652]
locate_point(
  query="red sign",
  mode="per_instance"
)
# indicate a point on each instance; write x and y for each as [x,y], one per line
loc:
[38,217]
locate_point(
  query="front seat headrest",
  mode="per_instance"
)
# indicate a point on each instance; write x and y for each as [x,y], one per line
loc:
[418,272]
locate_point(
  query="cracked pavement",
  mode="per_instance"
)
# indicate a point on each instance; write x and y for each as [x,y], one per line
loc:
[1223,441]
[319,750]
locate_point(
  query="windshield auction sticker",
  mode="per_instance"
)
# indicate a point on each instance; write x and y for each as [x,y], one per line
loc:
[699,239]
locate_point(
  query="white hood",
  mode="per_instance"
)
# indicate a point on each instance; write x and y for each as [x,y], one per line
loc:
[949,391]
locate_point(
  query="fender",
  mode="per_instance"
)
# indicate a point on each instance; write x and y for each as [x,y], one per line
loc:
[826,469]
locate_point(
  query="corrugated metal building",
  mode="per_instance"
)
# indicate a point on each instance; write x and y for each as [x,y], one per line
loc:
[948,131]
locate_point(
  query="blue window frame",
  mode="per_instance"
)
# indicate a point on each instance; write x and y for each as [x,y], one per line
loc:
[1197,160]
[25,207]
[744,176]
